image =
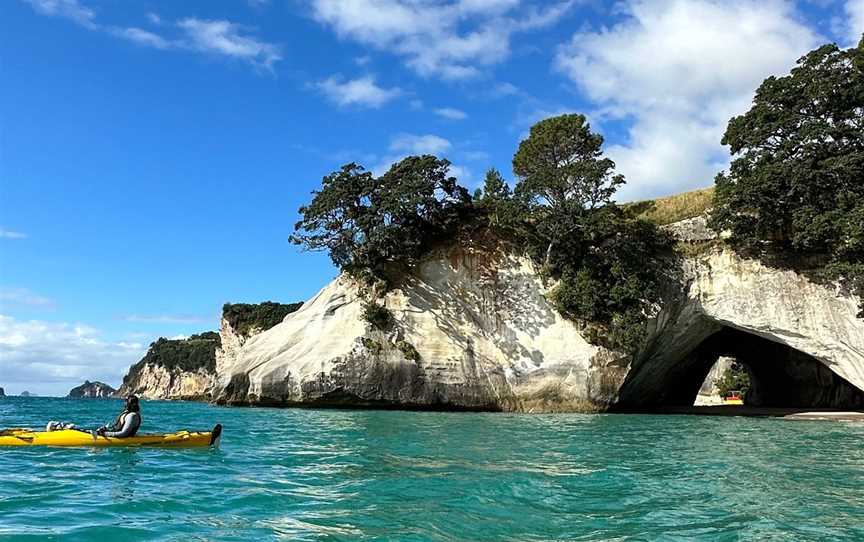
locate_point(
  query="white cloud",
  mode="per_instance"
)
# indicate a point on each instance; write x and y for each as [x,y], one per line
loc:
[679,70]
[362,92]
[142,37]
[451,40]
[11,298]
[49,358]
[9,234]
[855,22]
[404,145]
[504,89]
[420,144]
[166,319]
[69,9]
[224,38]
[451,113]
[217,37]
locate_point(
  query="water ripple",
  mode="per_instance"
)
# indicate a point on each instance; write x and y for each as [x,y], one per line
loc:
[360,475]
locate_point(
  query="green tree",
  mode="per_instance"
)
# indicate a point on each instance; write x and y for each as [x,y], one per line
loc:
[795,183]
[368,223]
[501,210]
[562,175]
[611,266]
[339,219]
[736,378]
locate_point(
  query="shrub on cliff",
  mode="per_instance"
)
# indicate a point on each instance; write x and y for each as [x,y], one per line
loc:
[378,315]
[244,317]
[795,185]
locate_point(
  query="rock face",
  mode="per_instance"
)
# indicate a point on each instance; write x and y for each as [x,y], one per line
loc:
[765,317]
[185,369]
[473,330]
[2,393]
[174,369]
[154,381]
[91,390]
[708,392]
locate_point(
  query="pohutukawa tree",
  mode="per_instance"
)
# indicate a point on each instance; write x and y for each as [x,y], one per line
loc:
[796,182]
[610,266]
[368,223]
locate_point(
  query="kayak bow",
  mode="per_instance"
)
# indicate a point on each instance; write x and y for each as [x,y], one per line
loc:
[77,437]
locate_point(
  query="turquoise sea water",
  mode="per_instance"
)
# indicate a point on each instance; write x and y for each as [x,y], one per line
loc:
[374,475]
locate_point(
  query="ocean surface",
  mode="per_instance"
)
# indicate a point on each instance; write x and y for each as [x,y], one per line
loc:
[389,475]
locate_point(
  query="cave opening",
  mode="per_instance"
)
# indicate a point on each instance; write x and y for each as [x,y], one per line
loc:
[779,376]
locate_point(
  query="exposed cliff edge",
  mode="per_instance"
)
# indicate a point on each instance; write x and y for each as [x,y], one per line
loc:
[91,390]
[174,369]
[472,329]
[185,369]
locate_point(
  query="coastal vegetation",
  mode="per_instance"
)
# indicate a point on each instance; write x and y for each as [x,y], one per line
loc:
[794,185]
[378,315]
[245,317]
[794,191]
[190,354]
[735,379]
[608,264]
[671,209]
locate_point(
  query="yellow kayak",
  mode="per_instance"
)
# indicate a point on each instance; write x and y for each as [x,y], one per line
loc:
[77,437]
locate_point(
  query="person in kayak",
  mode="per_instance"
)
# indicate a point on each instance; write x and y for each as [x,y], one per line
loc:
[127,423]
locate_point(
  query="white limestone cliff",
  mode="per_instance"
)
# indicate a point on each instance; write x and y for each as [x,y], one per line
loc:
[485,336]
[487,339]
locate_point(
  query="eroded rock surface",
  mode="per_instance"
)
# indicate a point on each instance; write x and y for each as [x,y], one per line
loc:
[484,335]
[727,292]
[487,339]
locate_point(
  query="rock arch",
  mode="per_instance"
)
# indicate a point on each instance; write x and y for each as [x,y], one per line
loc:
[802,341]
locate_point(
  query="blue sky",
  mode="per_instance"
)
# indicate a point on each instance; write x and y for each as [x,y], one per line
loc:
[153,154]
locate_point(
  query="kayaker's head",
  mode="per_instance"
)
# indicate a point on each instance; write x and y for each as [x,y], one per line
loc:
[132,404]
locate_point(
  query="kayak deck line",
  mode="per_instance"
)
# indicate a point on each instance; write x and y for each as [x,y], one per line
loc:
[80,438]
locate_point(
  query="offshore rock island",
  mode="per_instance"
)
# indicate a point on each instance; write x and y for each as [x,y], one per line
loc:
[91,390]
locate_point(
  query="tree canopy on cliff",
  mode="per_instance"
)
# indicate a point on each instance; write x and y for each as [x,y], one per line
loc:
[610,265]
[191,354]
[796,183]
[366,222]
[563,176]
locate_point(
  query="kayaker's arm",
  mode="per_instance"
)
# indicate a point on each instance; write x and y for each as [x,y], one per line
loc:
[131,422]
